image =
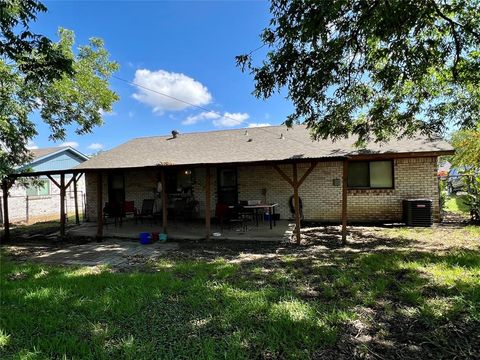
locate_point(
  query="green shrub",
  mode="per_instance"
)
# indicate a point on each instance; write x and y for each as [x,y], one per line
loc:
[473,197]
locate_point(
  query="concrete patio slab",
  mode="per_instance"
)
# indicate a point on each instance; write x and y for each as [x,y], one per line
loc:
[190,231]
[108,252]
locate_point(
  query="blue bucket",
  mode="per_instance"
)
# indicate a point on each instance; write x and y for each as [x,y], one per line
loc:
[145,238]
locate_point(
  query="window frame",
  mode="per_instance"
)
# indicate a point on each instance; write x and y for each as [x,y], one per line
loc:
[369,174]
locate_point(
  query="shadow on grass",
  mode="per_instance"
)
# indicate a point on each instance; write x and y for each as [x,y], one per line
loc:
[394,303]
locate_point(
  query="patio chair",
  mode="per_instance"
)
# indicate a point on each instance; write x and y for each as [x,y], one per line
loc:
[128,208]
[178,210]
[191,209]
[112,210]
[227,215]
[146,212]
[248,214]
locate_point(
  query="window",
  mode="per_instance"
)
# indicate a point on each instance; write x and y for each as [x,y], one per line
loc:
[43,189]
[370,174]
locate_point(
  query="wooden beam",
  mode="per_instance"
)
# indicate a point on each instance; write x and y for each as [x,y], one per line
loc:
[99,206]
[164,202]
[308,172]
[283,175]
[207,204]
[75,195]
[62,205]
[54,181]
[6,220]
[344,201]
[297,203]
[72,179]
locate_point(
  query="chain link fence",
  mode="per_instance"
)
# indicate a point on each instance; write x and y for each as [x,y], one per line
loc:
[24,209]
[455,189]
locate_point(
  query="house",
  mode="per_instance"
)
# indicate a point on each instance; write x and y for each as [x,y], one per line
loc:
[269,164]
[40,202]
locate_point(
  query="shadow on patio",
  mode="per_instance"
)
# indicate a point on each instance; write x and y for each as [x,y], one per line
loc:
[189,231]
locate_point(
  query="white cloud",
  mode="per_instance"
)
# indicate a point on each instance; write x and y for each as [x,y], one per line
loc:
[231,119]
[172,84]
[206,115]
[72,144]
[95,146]
[253,125]
[225,120]
[31,145]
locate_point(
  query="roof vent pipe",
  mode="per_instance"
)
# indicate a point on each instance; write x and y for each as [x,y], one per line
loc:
[175,133]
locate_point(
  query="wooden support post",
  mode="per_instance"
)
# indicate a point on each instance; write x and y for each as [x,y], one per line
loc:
[296,183]
[283,175]
[99,206]
[62,205]
[75,194]
[207,204]
[297,203]
[27,210]
[164,202]
[344,201]
[6,221]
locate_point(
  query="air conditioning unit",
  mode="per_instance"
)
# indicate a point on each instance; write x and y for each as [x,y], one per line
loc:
[418,212]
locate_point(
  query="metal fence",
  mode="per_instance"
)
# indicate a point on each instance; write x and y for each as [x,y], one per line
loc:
[31,209]
[455,184]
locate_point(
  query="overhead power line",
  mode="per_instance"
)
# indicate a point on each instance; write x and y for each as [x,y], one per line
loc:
[239,122]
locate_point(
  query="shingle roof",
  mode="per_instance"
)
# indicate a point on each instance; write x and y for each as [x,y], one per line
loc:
[246,145]
[39,153]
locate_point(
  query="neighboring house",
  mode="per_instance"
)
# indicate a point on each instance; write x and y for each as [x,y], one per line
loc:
[246,164]
[31,203]
[443,169]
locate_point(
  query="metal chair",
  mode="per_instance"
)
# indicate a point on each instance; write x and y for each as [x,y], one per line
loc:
[225,214]
[146,212]
[112,210]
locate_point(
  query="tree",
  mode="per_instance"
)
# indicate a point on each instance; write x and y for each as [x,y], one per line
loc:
[467,159]
[35,55]
[467,149]
[373,68]
[63,96]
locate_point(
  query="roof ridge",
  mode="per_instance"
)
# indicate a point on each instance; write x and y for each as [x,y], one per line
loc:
[213,131]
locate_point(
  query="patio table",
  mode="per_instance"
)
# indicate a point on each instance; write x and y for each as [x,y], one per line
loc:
[255,208]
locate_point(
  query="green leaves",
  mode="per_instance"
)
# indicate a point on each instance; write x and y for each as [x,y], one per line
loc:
[467,149]
[80,98]
[76,96]
[372,68]
[34,54]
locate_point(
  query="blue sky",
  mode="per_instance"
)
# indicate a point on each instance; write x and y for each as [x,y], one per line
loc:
[186,49]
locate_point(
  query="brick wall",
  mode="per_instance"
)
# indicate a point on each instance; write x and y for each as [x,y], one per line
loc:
[414,178]
[321,197]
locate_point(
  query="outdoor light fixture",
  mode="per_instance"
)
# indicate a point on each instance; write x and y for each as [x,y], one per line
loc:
[188,172]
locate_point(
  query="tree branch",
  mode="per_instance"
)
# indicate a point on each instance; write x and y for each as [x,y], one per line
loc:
[453,22]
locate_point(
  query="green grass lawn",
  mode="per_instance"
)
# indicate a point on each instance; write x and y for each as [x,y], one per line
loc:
[390,293]
[456,204]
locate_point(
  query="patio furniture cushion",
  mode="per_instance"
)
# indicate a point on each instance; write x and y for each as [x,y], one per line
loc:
[129,208]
